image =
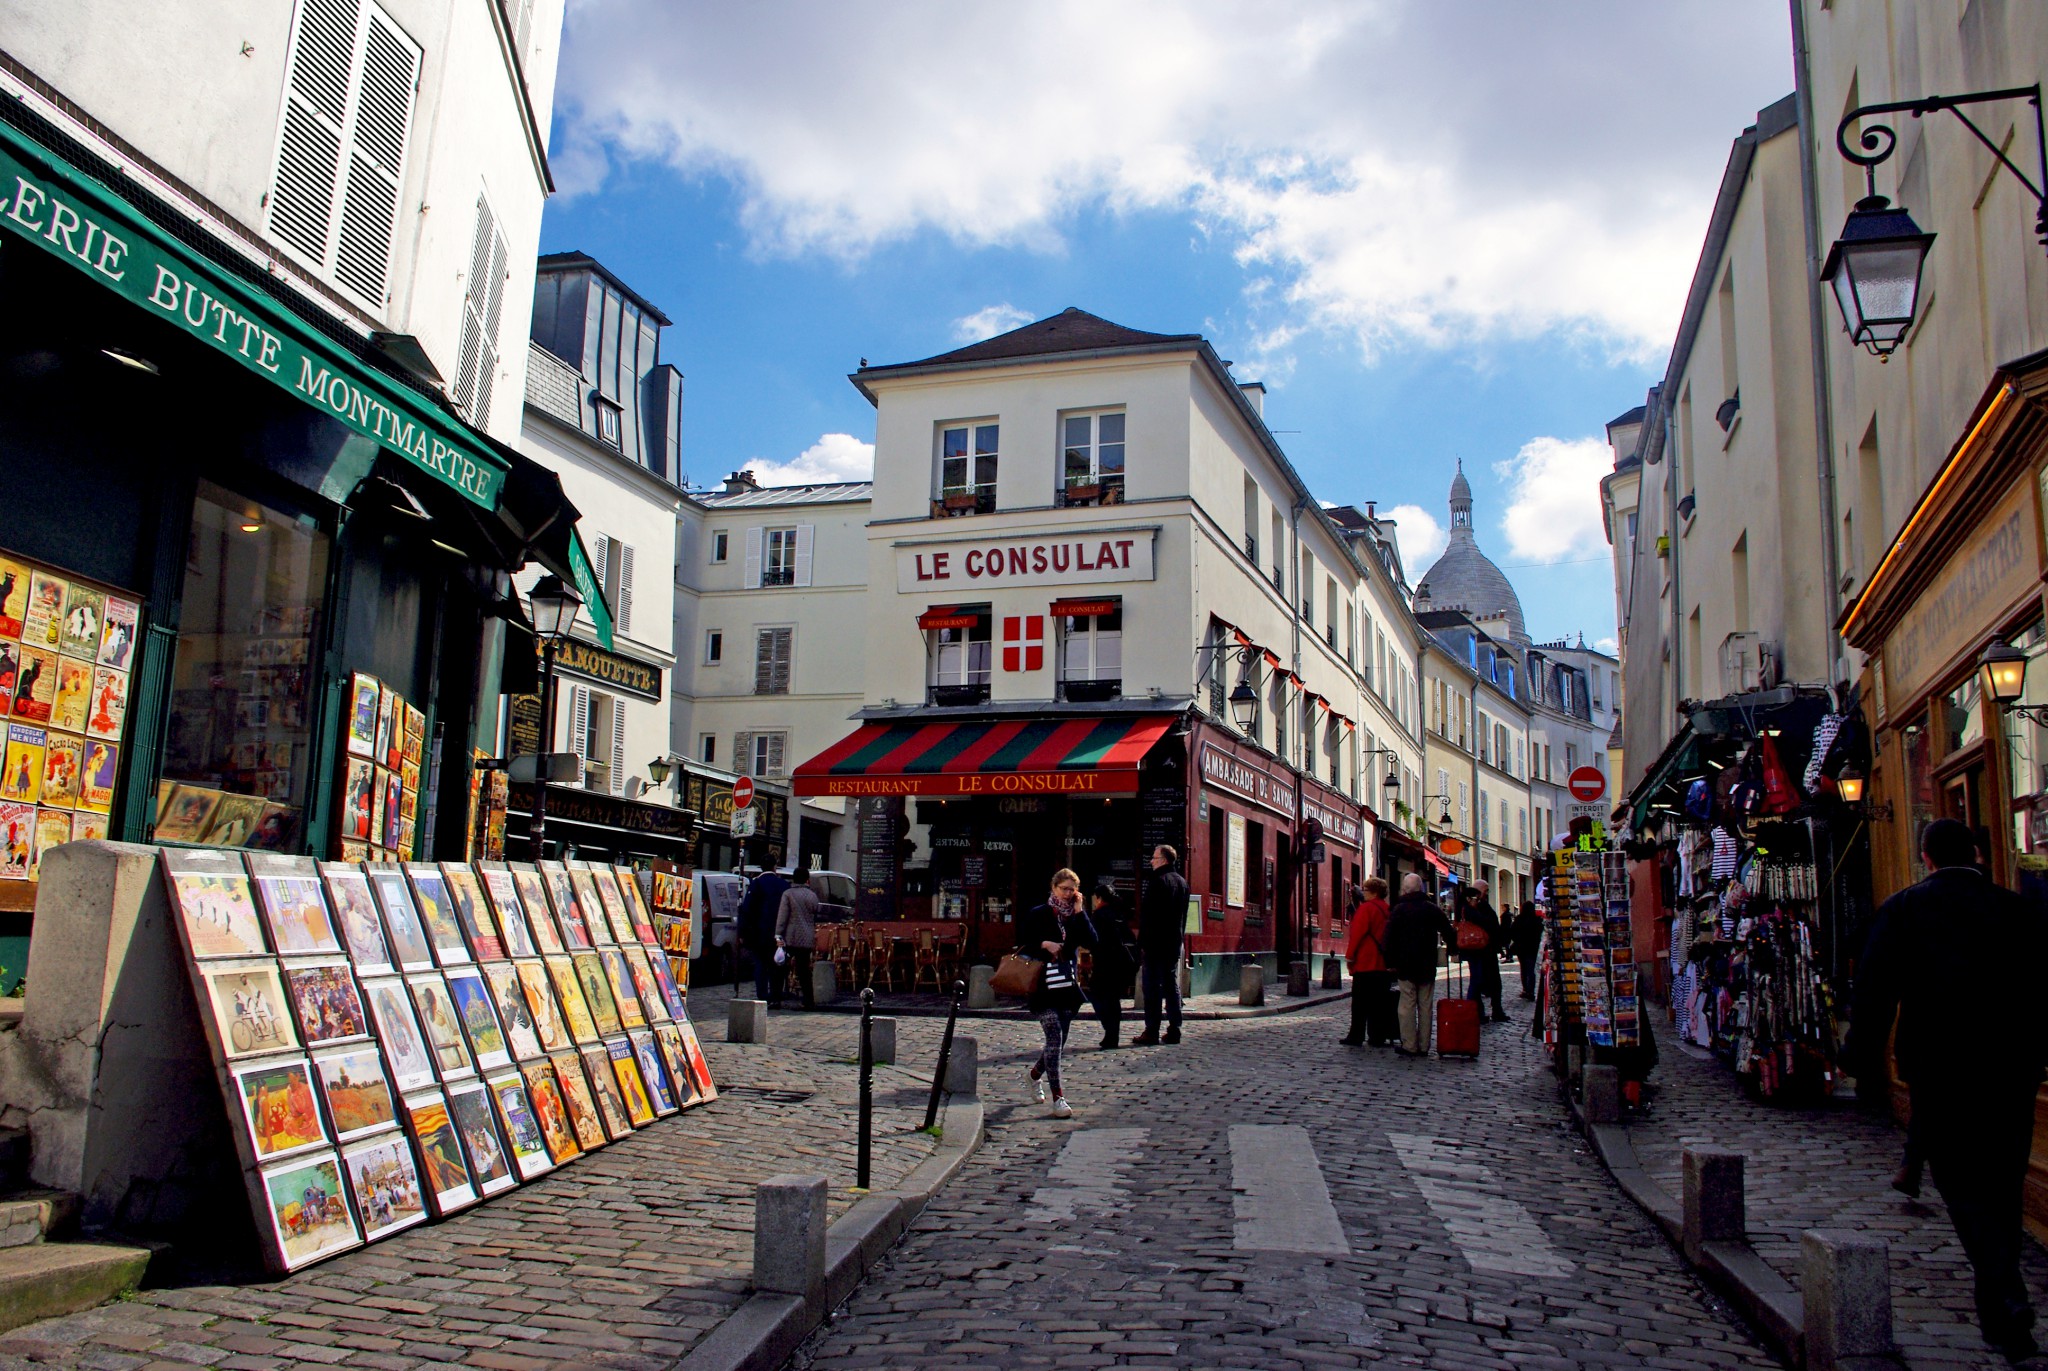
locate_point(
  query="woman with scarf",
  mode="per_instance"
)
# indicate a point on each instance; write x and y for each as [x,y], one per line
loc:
[1050,934]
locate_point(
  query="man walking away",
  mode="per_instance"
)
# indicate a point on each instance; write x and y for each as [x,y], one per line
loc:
[1414,927]
[796,932]
[1372,982]
[757,913]
[1162,913]
[1972,1086]
[1107,936]
[1484,962]
[1526,936]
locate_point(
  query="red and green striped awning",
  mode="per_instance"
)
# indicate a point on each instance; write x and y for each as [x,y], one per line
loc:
[1087,755]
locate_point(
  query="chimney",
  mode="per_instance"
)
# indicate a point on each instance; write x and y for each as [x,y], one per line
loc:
[1255,395]
[740,482]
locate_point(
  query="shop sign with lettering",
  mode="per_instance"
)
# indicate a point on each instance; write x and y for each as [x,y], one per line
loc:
[1080,558]
[606,811]
[1340,825]
[976,783]
[1989,572]
[1225,771]
[620,672]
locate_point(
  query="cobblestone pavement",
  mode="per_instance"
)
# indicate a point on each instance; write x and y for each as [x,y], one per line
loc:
[1386,1211]
[622,1259]
[1827,1168]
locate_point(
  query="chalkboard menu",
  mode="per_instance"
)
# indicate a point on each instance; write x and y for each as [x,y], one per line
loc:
[878,822]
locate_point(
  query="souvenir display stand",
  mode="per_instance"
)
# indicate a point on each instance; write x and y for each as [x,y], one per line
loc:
[396,1041]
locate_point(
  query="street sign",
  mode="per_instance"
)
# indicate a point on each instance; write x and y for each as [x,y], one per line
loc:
[1595,810]
[743,793]
[1587,784]
[743,823]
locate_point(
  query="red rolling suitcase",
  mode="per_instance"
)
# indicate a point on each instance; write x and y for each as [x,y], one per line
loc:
[1457,1022]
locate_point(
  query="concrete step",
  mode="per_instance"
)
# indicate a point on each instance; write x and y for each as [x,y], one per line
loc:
[32,1216]
[14,1157]
[43,1280]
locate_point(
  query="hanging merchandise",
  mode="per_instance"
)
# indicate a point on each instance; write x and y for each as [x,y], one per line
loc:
[1725,853]
[1824,734]
[1780,795]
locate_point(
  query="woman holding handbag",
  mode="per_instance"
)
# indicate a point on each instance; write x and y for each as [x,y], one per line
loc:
[1050,934]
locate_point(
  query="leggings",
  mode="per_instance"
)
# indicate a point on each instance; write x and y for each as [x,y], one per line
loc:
[1055,1023]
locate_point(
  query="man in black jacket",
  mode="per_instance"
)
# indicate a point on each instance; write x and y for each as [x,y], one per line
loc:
[1413,930]
[1162,914]
[1525,935]
[756,922]
[1483,964]
[1971,1051]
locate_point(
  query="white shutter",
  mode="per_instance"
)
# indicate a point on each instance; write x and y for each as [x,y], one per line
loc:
[622,612]
[604,557]
[483,307]
[369,196]
[310,134]
[803,553]
[618,745]
[520,13]
[751,577]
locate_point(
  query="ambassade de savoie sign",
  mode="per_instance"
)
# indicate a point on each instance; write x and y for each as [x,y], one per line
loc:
[1082,557]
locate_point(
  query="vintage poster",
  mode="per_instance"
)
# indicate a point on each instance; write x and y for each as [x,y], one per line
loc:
[597,993]
[504,896]
[631,1088]
[405,1048]
[578,1102]
[548,1024]
[670,1040]
[275,828]
[53,829]
[447,1173]
[550,1112]
[14,578]
[700,1070]
[309,1216]
[1233,868]
[250,1011]
[35,685]
[102,769]
[575,1009]
[83,611]
[604,1084]
[10,671]
[21,764]
[472,912]
[516,1111]
[324,997]
[215,905]
[288,891]
[386,1185]
[384,741]
[185,815]
[437,911]
[359,780]
[575,931]
[407,934]
[363,695]
[471,1112]
[358,1096]
[514,1016]
[355,913]
[236,819]
[646,989]
[108,708]
[391,812]
[17,840]
[63,771]
[471,997]
[43,626]
[117,634]
[625,996]
[614,905]
[533,900]
[277,1105]
[74,695]
[652,1074]
[88,827]
[437,1018]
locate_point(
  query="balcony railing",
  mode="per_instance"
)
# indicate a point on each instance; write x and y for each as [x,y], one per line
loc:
[1105,490]
[949,504]
[778,576]
[1091,692]
[959,694]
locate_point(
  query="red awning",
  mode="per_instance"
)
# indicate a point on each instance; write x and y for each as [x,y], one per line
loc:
[1443,867]
[1061,755]
[948,618]
[1084,609]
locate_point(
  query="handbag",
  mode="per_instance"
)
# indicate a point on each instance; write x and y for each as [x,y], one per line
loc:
[1471,937]
[1060,976]
[1017,976]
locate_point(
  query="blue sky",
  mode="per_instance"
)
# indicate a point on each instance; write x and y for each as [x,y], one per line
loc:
[1325,190]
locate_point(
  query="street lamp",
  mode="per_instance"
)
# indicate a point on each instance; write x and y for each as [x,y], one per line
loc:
[1850,784]
[1244,706]
[657,771]
[552,603]
[2005,672]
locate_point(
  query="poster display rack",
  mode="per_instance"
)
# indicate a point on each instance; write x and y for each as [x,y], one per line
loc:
[401,1040]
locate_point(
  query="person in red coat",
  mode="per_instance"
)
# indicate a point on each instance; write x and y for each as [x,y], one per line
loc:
[1372,980]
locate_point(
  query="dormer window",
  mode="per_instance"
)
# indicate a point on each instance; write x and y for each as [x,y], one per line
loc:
[609,427]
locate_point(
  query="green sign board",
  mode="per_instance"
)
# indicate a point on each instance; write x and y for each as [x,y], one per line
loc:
[592,591]
[66,213]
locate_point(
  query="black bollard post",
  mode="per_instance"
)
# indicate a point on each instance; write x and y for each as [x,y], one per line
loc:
[867,1088]
[931,1108]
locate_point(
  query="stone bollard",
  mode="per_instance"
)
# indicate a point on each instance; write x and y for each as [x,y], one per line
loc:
[881,1041]
[824,982]
[1574,1060]
[1187,980]
[981,990]
[746,1021]
[963,1067]
[1601,1094]
[1713,1199]
[1333,973]
[1297,980]
[1251,984]
[789,1236]
[1846,1286]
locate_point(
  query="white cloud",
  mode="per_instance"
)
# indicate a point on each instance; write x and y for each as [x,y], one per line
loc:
[988,321]
[1421,537]
[834,457]
[1610,646]
[1553,487]
[1390,169]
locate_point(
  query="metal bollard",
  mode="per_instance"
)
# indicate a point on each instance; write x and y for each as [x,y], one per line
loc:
[867,1089]
[931,1107]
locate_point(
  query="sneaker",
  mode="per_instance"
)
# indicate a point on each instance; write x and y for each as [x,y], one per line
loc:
[1037,1090]
[1061,1109]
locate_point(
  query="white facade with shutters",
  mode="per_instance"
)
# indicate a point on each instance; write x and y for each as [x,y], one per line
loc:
[386,157]
[771,590]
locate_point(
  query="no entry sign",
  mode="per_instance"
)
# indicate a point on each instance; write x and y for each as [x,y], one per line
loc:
[743,791]
[1586,785]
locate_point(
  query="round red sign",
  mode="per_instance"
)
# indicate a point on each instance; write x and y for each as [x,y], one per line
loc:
[1587,785]
[743,792]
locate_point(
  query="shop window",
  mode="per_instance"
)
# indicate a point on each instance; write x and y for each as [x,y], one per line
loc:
[960,658]
[773,648]
[1092,458]
[1219,850]
[1960,716]
[966,469]
[242,683]
[1092,656]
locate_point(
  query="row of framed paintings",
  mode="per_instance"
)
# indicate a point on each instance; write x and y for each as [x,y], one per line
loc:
[385,1054]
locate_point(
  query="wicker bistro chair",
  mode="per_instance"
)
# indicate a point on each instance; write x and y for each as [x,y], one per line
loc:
[879,965]
[925,961]
[846,940]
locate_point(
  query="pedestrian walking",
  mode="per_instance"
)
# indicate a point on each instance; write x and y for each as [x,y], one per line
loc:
[1048,934]
[1372,980]
[1414,927]
[1105,932]
[1526,937]
[759,908]
[796,932]
[1972,1087]
[1162,914]
[1483,962]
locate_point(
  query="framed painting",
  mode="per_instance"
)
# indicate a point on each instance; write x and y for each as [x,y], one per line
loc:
[438,1019]
[250,1013]
[522,1128]
[308,1215]
[294,905]
[279,1114]
[636,903]
[471,1112]
[550,1112]
[514,1015]
[693,1054]
[613,902]
[410,945]
[503,892]
[548,1024]
[604,1085]
[578,1102]
[355,911]
[660,1094]
[385,1183]
[619,980]
[597,993]
[357,1092]
[406,1050]
[325,1003]
[215,903]
[472,912]
[584,882]
[576,935]
[669,1039]
[471,996]
[444,1171]
[437,911]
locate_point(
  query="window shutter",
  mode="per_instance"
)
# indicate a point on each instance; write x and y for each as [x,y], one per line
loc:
[743,753]
[309,140]
[622,612]
[579,721]
[483,305]
[520,15]
[803,553]
[369,197]
[751,577]
[775,741]
[604,557]
[618,745]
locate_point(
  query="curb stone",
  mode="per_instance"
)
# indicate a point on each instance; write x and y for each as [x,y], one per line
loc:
[916,1011]
[762,1333]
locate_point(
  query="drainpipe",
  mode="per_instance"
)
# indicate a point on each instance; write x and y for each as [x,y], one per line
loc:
[1671,524]
[1816,326]
[1299,933]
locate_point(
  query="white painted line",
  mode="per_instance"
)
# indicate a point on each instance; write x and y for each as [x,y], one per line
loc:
[1277,1191]
[1492,1232]
[1088,1177]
